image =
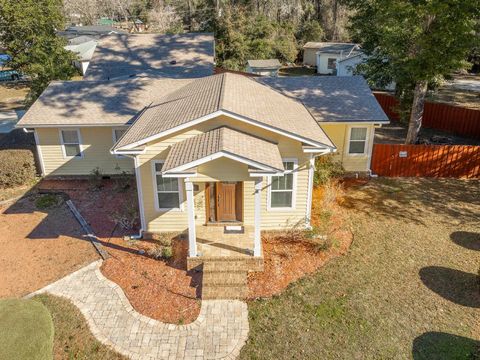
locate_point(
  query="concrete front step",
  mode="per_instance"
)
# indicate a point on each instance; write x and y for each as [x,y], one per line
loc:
[216,292]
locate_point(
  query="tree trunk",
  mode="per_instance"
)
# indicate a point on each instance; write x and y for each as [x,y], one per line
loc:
[415,122]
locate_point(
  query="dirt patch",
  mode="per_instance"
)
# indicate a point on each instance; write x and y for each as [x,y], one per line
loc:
[12,96]
[38,246]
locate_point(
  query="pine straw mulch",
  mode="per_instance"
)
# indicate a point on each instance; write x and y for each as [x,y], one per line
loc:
[289,256]
[160,289]
[163,289]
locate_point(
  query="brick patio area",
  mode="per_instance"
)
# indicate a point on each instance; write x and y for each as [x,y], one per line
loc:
[219,332]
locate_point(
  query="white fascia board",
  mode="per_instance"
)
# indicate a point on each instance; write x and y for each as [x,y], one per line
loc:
[310,150]
[232,115]
[180,174]
[33,126]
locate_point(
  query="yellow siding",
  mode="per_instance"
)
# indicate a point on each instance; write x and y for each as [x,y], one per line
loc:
[96,144]
[225,170]
[338,133]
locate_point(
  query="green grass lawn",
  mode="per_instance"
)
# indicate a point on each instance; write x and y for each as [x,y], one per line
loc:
[407,288]
[26,330]
[72,338]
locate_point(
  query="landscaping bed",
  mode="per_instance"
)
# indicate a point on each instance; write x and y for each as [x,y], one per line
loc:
[157,283]
[407,289]
[291,255]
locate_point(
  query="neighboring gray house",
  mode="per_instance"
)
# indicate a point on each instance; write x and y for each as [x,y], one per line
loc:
[324,55]
[84,52]
[183,55]
[93,31]
[268,67]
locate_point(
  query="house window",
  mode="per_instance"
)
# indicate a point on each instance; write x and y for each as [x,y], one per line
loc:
[167,190]
[117,134]
[358,141]
[332,63]
[71,143]
[282,188]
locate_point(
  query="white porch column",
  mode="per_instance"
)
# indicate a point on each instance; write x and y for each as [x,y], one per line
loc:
[257,242]
[311,173]
[192,239]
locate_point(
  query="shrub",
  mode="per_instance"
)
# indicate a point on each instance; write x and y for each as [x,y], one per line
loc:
[47,201]
[96,178]
[127,216]
[167,252]
[161,252]
[326,168]
[123,181]
[17,168]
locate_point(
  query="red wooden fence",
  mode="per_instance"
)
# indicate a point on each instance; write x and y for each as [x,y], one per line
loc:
[457,161]
[453,119]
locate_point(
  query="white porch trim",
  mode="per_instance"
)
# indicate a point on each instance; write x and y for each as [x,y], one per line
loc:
[257,241]
[192,238]
[311,172]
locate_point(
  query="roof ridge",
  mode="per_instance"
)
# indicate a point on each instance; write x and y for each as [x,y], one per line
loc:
[221,92]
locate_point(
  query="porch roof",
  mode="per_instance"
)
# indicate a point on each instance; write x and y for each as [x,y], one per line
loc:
[223,142]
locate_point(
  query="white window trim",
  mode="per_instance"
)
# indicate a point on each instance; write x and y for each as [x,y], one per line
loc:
[367,141]
[79,135]
[115,140]
[155,192]
[294,188]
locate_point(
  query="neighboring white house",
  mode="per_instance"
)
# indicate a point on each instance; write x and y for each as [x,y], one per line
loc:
[324,55]
[268,67]
[85,53]
[346,66]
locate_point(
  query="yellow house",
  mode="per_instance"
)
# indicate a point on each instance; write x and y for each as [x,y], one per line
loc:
[223,150]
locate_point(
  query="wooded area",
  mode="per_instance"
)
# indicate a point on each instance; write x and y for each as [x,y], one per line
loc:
[244,29]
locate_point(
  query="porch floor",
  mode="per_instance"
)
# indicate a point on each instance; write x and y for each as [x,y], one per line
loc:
[212,241]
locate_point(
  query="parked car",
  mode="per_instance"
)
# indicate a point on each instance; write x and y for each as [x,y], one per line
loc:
[10,75]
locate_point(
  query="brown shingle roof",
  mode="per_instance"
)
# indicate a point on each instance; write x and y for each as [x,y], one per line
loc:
[96,102]
[225,140]
[231,93]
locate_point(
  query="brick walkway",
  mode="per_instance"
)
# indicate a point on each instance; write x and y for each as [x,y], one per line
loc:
[219,332]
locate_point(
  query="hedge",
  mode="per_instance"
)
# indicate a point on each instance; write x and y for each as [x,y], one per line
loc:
[17,167]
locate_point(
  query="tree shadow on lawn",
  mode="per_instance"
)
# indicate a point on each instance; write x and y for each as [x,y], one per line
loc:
[410,198]
[59,221]
[444,346]
[454,285]
[467,239]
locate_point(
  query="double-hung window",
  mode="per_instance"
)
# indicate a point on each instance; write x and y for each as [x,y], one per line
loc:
[167,190]
[282,188]
[71,143]
[117,134]
[358,141]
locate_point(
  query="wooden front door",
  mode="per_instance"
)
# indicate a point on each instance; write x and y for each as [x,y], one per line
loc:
[229,201]
[226,208]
